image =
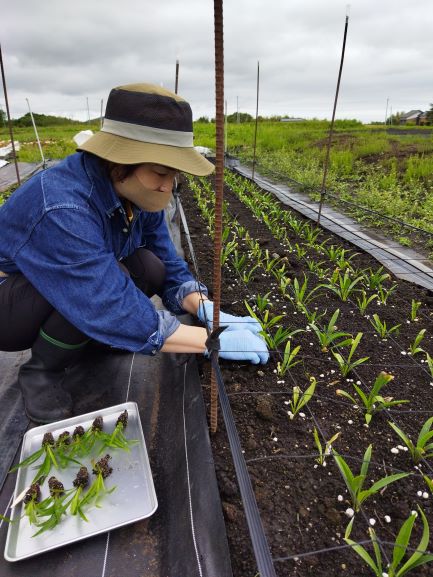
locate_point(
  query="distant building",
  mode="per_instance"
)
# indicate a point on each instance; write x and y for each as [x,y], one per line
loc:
[412,117]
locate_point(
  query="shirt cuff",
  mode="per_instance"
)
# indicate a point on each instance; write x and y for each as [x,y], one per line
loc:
[167,324]
[173,298]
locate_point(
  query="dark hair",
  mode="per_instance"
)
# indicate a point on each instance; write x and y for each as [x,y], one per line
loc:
[117,172]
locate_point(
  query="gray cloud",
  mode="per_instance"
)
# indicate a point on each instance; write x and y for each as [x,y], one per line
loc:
[58,54]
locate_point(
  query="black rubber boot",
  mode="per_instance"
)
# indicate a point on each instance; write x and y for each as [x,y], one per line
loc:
[40,380]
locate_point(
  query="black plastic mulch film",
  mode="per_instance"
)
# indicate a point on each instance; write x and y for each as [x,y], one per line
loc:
[258,538]
[178,540]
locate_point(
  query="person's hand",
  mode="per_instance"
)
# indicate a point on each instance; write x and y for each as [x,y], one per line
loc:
[232,322]
[243,345]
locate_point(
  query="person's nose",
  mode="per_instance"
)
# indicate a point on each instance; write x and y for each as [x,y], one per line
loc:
[167,183]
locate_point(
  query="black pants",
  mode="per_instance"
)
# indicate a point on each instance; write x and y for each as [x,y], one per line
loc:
[23,310]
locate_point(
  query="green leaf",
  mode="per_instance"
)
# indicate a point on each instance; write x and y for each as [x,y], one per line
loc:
[425,429]
[317,441]
[361,394]
[381,380]
[383,483]
[366,460]
[365,556]
[349,528]
[402,541]
[376,549]
[29,461]
[420,550]
[402,436]
[358,362]
[342,393]
[420,561]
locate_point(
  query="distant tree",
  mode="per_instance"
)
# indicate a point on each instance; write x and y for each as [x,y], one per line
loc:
[243,117]
[42,120]
[430,114]
[395,118]
[203,119]
[2,117]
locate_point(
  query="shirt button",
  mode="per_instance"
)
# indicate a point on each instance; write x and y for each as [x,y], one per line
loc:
[124,229]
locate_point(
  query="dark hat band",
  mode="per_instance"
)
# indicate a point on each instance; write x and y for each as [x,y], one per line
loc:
[149,109]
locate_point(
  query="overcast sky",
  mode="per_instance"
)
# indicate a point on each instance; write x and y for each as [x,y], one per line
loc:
[60,53]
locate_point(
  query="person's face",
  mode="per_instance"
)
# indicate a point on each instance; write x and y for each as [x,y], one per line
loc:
[149,186]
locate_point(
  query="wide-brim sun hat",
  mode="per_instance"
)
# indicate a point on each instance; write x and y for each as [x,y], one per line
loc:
[146,123]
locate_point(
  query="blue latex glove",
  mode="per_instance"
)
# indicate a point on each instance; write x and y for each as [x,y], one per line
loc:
[233,323]
[243,345]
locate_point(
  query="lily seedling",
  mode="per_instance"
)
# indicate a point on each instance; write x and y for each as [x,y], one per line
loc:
[80,483]
[97,489]
[54,507]
[49,451]
[117,439]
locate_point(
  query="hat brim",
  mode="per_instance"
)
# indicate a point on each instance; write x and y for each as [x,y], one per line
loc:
[127,151]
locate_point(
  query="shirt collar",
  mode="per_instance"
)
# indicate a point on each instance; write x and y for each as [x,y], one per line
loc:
[101,181]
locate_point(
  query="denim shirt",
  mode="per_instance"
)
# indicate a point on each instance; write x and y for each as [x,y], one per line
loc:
[65,230]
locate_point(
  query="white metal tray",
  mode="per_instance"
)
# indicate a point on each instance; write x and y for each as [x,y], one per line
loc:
[133,499]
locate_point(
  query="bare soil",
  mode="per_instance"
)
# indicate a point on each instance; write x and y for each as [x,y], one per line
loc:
[298,499]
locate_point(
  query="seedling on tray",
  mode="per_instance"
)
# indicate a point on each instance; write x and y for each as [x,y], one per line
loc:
[117,439]
[80,483]
[97,489]
[49,451]
[53,507]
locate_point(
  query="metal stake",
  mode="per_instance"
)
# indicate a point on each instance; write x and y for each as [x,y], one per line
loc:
[257,116]
[176,83]
[11,133]
[225,128]
[331,129]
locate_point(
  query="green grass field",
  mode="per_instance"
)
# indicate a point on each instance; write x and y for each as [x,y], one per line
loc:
[390,171]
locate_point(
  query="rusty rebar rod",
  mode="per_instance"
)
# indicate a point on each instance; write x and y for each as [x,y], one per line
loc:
[11,133]
[257,117]
[219,188]
[331,129]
